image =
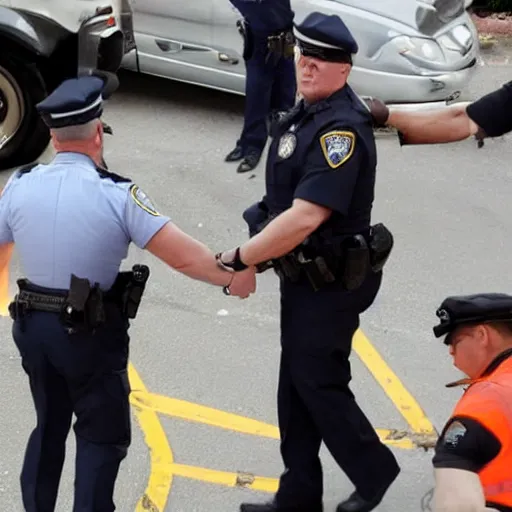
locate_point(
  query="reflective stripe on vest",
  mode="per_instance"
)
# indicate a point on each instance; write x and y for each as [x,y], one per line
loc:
[489,401]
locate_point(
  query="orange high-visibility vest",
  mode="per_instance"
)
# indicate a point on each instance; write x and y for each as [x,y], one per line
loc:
[488,400]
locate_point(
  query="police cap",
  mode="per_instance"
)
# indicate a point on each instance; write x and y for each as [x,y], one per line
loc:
[475,309]
[325,37]
[75,101]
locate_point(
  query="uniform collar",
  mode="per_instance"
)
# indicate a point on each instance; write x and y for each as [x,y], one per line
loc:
[493,366]
[68,157]
[326,103]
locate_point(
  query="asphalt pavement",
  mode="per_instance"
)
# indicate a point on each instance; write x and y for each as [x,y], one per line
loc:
[449,209]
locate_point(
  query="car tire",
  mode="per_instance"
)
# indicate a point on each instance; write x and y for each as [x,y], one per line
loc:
[21,88]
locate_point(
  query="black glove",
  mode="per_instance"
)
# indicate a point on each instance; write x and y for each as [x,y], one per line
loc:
[378,110]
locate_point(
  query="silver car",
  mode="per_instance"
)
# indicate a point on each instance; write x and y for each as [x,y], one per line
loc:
[411,51]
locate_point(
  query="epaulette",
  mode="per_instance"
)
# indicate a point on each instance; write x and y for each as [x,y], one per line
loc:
[25,170]
[116,178]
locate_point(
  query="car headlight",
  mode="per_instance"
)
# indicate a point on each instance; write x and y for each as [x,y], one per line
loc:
[419,48]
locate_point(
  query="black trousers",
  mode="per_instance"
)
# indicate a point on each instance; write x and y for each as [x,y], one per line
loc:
[315,402]
[270,86]
[82,375]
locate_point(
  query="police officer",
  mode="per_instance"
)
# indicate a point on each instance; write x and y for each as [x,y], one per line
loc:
[488,116]
[270,73]
[473,456]
[313,227]
[72,223]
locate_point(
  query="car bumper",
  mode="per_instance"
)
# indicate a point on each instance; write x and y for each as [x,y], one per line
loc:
[411,89]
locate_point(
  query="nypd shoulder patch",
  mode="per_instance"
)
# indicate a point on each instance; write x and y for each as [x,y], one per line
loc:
[337,147]
[142,200]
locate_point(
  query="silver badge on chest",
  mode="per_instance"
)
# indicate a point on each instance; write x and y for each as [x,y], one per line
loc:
[287,145]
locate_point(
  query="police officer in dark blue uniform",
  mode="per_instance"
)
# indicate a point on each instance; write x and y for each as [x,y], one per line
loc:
[72,223]
[270,73]
[313,226]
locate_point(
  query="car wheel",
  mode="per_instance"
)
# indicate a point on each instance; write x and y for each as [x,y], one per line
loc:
[23,134]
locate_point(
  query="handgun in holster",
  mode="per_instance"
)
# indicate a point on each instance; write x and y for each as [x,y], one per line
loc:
[286,267]
[136,287]
[356,262]
[316,270]
[84,308]
[381,245]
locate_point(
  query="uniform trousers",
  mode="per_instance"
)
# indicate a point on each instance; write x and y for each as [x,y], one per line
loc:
[81,374]
[270,86]
[315,402]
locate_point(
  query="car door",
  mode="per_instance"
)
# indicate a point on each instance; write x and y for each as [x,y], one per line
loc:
[227,41]
[174,37]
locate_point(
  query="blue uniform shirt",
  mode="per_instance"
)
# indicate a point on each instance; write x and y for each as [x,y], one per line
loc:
[266,16]
[64,219]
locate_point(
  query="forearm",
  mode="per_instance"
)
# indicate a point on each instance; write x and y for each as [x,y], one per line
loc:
[187,255]
[203,267]
[447,125]
[279,237]
[457,491]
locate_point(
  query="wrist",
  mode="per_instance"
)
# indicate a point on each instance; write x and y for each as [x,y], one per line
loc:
[235,265]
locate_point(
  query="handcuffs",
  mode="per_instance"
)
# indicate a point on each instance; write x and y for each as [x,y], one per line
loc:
[236,265]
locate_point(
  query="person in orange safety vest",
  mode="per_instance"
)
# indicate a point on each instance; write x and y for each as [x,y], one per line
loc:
[473,456]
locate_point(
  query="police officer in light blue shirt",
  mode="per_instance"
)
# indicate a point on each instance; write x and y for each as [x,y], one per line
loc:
[72,223]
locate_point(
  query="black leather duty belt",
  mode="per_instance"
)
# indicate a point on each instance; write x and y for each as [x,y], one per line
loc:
[40,302]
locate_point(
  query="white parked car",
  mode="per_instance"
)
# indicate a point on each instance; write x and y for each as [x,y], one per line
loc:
[411,51]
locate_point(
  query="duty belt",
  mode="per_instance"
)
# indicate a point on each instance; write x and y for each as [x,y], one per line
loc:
[40,302]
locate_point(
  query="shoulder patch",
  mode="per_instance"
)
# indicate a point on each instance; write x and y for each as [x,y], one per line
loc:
[337,147]
[141,199]
[454,433]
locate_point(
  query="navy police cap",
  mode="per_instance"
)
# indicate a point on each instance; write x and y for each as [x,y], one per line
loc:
[75,101]
[472,309]
[325,37]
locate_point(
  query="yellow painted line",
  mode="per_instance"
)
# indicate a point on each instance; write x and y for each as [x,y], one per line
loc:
[246,480]
[392,386]
[206,415]
[160,478]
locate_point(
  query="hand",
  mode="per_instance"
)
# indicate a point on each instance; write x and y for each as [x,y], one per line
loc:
[378,110]
[243,283]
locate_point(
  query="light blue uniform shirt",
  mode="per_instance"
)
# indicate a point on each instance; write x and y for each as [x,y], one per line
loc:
[64,219]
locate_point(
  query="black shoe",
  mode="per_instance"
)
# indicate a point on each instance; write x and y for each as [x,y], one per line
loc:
[250,161]
[271,507]
[357,504]
[235,155]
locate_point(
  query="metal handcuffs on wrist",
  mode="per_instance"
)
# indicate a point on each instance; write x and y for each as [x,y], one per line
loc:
[236,265]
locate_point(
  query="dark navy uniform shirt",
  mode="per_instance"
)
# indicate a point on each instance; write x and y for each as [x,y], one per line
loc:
[266,16]
[325,154]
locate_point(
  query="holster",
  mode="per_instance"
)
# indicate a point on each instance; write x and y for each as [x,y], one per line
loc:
[381,245]
[356,265]
[129,288]
[282,44]
[245,31]
[348,260]
[84,308]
